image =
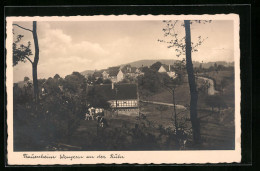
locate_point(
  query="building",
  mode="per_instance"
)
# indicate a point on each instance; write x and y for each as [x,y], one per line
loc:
[162,69]
[115,74]
[105,75]
[97,74]
[123,98]
[168,70]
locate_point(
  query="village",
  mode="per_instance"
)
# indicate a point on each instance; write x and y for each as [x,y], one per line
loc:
[124,107]
[123,87]
[119,85]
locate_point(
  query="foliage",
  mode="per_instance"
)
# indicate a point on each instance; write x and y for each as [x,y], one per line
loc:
[184,46]
[95,99]
[150,80]
[99,80]
[156,66]
[61,107]
[56,76]
[177,42]
[20,51]
[26,79]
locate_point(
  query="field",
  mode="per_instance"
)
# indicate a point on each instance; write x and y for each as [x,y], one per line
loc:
[129,133]
[182,95]
[217,131]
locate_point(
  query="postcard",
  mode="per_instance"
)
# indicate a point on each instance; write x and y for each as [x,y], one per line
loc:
[126,89]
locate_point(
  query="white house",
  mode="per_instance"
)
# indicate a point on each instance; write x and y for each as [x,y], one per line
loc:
[105,75]
[162,69]
[120,76]
[168,70]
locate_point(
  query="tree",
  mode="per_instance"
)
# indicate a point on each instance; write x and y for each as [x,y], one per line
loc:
[215,101]
[150,80]
[193,90]
[171,84]
[99,80]
[20,54]
[56,76]
[184,46]
[26,79]
[224,82]
[156,66]
[180,68]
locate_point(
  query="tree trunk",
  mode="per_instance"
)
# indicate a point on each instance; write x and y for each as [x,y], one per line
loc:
[35,63]
[193,90]
[35,83]
[174,108]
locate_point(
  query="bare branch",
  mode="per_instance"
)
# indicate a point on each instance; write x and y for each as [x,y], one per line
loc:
[29,59]
[22,27]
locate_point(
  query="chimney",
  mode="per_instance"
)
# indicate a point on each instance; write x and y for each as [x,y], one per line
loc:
[112,86]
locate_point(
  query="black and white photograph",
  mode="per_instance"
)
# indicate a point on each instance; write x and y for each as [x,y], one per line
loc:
[123,89]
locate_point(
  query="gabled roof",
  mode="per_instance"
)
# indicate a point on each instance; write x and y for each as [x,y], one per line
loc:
[113,71]
[97,74]
[162,68]
[124,91]
[166,67]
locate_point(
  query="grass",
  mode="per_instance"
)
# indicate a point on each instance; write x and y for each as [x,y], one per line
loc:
[182,92]
[217,131]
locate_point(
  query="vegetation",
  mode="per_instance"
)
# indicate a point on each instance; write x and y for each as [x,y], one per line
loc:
[184,46]
[62,105]
[21,53]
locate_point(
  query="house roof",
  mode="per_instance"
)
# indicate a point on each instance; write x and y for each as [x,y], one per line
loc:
[166,67]
[113,71]
[128,69]
[124,91]
[97,74]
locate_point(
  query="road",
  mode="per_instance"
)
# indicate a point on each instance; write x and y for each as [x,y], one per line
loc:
[166,104]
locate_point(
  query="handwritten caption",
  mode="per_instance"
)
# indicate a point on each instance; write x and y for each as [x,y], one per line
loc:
[72,157]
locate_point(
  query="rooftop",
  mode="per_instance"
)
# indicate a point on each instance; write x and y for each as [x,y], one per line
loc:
[124,91]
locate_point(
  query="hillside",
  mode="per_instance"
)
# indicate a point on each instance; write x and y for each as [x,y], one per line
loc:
[87,72]
[149,62]
[171,62]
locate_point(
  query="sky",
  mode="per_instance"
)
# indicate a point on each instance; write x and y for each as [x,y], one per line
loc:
[67,46]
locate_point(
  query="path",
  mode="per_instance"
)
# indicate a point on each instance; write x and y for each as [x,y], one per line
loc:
[166,104]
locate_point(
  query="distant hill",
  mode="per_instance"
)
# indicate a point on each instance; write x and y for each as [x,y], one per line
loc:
[87,72]
[171,62]
[208,64]
[149,62]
